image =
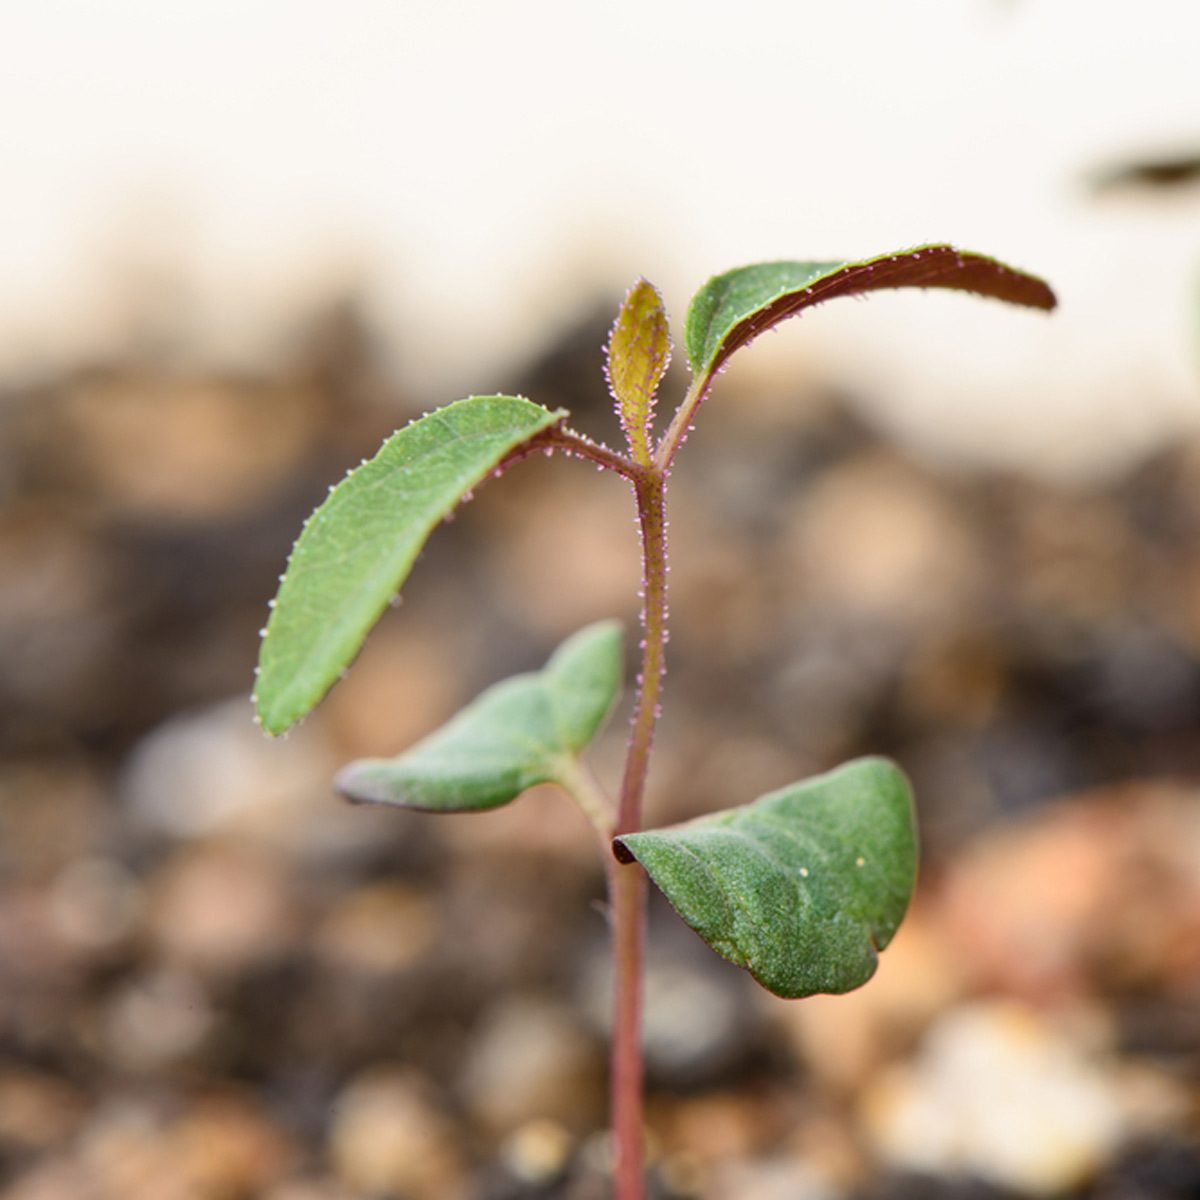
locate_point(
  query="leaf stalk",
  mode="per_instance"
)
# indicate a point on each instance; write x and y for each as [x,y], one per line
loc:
[681,423]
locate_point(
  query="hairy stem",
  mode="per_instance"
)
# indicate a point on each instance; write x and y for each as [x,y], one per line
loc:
[627,883]
[627,901]
[560,437]
[681,423]
[650,489]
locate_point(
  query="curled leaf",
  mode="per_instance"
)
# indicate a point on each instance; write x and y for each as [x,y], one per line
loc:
[804,886]
[734,308]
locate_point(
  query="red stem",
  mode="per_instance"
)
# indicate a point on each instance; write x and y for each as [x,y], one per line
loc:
[627,883]
[650,489]
[627,900]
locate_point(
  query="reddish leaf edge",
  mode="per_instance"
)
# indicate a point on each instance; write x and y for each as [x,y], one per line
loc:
[939,265]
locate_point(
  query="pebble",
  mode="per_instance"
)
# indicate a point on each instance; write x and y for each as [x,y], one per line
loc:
[388,1136]
[219,1146]
[1040,907]
[124,1151]
[538,1152]
[706,1129]
[377,930]
[694,1023]
[212,771]
[227,1146]
[529,1059]
[771,1178]
[154,1021]
[700,1016]
[221,908]
[997,1092]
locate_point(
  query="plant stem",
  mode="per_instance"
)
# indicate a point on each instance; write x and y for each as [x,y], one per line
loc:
[562,438]
[650,489]
[681,423]
[627,883]
[627,904]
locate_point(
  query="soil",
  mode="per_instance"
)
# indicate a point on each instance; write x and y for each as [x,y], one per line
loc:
[218,982]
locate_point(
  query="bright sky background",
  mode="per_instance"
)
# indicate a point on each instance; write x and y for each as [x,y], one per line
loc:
[473,166]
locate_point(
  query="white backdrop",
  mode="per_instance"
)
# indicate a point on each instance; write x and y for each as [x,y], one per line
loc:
[221,166]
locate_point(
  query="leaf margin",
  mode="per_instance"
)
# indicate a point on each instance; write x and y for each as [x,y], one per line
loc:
[661,851]
[636,357]
[284,694]
[599,644]
[932,265]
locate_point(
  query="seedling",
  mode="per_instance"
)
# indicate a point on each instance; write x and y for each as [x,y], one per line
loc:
[804,886]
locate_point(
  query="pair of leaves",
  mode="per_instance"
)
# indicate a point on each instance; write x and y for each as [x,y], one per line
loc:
[802,888]
[732,309]
[357,549]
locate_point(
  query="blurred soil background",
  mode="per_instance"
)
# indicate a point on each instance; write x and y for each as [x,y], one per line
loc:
[240,244]
[220,982]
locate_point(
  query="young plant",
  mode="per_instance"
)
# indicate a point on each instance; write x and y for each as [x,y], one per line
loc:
[804,886]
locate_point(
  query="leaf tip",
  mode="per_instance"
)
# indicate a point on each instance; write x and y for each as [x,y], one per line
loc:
[270,722]
[353,784]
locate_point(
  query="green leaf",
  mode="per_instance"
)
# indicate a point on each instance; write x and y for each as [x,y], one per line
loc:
[359,546]
[803,887]
[524,731]
[638,354]
[731,310]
